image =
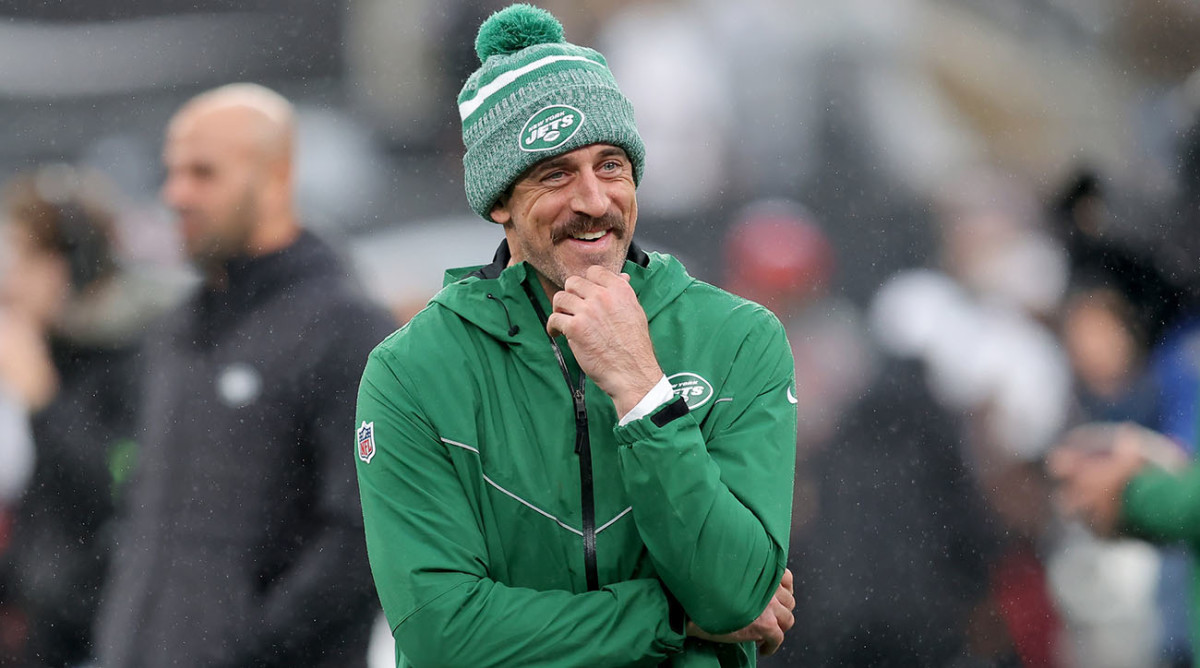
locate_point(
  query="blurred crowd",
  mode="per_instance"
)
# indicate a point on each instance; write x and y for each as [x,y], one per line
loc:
[968,257]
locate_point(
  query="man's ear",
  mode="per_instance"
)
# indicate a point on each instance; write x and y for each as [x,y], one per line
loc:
[500,212]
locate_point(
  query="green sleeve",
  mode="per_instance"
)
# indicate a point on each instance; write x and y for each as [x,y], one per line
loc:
[1162,507]
[715,514]
[430,563]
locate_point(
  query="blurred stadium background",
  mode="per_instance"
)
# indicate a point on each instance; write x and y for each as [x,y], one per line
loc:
[862,109]
[878,116]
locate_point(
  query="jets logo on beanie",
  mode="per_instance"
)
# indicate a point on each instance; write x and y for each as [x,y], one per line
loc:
[535,96]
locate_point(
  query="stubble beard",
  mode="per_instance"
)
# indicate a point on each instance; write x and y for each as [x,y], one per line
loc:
[549,264]
[227,239]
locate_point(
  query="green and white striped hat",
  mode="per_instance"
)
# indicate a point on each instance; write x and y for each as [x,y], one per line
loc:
[536,96]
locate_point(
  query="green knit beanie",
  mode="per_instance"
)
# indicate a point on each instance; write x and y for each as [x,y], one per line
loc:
[536,96]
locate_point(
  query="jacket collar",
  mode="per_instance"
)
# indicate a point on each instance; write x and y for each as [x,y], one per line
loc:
[252,280]
[494,297]
[248,278]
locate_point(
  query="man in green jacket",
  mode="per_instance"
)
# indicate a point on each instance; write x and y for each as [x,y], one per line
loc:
[577,455]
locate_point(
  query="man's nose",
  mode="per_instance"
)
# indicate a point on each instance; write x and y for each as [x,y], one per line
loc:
[589,197]
[173,191]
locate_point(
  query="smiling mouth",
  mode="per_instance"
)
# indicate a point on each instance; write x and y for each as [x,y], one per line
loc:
[590,229]
[594,235]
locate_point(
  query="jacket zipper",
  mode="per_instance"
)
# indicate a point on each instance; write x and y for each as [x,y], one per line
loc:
[583,449]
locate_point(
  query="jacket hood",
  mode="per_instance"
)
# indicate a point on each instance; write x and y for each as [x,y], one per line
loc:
[495,297]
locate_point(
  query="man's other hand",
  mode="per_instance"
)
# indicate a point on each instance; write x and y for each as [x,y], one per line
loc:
[766,631]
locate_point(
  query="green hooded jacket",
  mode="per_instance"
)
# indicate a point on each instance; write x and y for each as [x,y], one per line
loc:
[510,521]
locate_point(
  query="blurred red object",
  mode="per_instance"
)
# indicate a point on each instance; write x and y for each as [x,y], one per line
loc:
[777,255]
[1026,606]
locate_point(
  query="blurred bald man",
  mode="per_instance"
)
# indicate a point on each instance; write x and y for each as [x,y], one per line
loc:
[241,540]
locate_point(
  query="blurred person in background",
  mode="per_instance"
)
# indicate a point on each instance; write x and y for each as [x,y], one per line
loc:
[1159,282]
[976,326]
[1106,591]
[240,539]
[28,382]
[65,281]
[879,463]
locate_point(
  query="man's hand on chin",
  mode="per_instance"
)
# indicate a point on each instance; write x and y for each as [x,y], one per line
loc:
[605,325]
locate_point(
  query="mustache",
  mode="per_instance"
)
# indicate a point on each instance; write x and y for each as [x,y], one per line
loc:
[580,223]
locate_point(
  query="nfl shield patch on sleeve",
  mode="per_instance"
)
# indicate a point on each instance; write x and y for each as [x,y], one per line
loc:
[366,441]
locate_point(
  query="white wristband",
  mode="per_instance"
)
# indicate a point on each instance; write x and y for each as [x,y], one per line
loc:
[658,395]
